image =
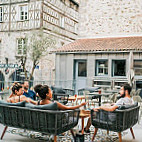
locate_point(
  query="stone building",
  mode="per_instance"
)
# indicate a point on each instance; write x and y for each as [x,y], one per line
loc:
[110,18]
[104,62]
[97,55]
[20,18]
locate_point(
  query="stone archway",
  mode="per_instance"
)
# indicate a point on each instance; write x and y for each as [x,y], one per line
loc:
[2,79]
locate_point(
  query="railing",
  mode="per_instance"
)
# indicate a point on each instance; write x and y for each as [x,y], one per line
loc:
[66,84]
[69,84]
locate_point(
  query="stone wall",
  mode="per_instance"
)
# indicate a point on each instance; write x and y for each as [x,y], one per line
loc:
[110,17]
[42,14]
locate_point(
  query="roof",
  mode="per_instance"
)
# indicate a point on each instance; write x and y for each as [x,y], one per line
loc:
[103,44]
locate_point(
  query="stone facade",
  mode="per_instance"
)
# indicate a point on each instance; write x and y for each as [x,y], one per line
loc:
[110,18]
[66,70]
[55,17]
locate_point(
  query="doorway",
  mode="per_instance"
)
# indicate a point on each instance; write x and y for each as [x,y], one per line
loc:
[80,74]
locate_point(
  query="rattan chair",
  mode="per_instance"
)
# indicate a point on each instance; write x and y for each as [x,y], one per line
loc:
[59,94]
[116,121]
[62,98]
[44,121]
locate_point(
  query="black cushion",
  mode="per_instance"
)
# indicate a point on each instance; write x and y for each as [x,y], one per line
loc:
[127,106]
[52,106]
[58,90]
[21,104]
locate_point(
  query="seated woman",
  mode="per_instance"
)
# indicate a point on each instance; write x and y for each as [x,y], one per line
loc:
[17,94]
[45,94]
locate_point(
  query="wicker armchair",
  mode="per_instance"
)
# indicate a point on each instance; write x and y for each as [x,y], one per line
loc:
[60,95]
[46,121]
[62,98]
[116,121]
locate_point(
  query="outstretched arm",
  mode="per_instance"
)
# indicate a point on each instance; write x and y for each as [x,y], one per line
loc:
[64,107]
[110,108]
[31,101]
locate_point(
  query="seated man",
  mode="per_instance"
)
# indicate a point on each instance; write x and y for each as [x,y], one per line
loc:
[27,92]
[125,99]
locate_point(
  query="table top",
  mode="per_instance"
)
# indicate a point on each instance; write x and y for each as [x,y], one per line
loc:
[78,98]
[84,113]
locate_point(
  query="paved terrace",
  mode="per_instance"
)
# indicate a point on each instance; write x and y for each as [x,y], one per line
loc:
[9,137]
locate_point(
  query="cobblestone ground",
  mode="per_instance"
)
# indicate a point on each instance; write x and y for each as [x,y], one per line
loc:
[19,135]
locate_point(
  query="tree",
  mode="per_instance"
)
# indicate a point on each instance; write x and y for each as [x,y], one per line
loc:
[37,46]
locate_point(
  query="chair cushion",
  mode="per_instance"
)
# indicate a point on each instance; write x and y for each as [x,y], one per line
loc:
[21,104]
[57,90]
[52,106]
[127,106]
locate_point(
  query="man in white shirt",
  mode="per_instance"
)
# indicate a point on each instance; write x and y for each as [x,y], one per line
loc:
[125,99]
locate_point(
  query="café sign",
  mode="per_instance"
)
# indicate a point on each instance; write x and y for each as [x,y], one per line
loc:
[8,65]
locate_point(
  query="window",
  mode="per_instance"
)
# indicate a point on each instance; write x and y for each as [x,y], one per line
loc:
[101,67]
[119,68]
[82,69]
[118,84]
[24,12]
[21,44]
[1,14]
[62,21]
[138,67]
[105,83]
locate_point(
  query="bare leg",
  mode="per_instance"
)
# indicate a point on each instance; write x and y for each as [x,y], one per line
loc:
[88,124]
[95,132]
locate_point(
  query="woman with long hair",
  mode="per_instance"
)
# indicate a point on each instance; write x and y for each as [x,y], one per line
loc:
[17,94]
[45,94]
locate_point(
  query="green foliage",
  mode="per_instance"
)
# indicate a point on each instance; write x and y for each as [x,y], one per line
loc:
[40,45]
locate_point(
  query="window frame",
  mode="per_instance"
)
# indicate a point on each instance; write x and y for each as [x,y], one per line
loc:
[136,67]
[82,61]
[113,67]
[24,15]
[22,46]
[97,67]
[1,12]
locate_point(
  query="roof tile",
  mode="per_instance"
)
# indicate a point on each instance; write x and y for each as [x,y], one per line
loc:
[103,44]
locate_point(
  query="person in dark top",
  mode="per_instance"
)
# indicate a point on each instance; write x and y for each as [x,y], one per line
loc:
[27,92]
[45,94]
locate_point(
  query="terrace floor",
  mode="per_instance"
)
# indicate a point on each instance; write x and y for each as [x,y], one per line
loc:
[14,135]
